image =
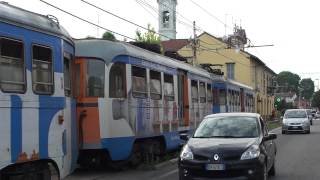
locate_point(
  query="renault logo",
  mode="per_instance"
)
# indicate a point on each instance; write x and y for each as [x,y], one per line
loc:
[216,157]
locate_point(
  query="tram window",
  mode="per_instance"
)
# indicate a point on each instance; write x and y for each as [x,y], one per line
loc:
[215,96]
[139,82]
[202,92]
[12,71]
[209,93]
[67,73]
[222,96]
[168,87]
[95,78]
[42,70]
[155,85]
[194,91]
[117,81]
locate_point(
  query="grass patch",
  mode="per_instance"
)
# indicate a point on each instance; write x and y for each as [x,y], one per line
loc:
[273,124]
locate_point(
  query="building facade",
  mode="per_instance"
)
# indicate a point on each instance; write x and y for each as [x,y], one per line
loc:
[236,64]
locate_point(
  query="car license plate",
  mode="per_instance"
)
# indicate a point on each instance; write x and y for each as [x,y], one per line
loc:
[215,167]
[294,127]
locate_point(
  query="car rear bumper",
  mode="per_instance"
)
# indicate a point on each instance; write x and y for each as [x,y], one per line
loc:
[240,169]
[296,128]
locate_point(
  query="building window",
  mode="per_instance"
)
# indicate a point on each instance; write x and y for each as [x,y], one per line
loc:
[117,81]
[202,92]
[139,82]
[230,70]
[95,78]
[12,70]
[168,87]
[155,85]
[165,18]
[67,73]
[42,70]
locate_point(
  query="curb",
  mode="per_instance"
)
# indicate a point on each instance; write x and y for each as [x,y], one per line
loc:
[166,163]
[275,129]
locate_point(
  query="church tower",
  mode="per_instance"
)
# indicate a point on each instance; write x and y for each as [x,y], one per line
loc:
[167,18]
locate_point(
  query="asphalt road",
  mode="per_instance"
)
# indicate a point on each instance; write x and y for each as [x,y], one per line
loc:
[298,158]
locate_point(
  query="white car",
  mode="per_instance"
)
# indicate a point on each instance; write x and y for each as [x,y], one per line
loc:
[317,116]
[296,120]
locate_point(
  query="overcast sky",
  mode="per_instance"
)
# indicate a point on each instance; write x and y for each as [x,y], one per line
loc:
[291,25]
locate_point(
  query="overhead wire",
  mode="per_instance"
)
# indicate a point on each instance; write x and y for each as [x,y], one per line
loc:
[211,15]
[87,21]
[179,21]
[146,10]
[124,19]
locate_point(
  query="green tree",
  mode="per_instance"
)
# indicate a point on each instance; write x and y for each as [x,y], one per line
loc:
[108,36]
[149,37]
[316,99]
[289,80]
[307,86]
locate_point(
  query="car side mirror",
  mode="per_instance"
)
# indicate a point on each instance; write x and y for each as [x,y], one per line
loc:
[271,136]
[184,137]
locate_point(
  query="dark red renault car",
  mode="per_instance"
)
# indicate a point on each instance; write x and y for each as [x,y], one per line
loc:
[229,145]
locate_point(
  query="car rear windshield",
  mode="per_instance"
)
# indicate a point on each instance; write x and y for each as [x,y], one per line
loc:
[228,127]
[295,114]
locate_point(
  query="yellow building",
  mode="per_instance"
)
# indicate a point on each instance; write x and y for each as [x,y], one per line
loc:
[236,64]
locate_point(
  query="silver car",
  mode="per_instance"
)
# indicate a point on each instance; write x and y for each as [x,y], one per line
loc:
[295,120]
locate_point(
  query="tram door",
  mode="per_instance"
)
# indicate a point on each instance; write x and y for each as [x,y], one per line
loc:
[183,100]
[89,86]
[242,103]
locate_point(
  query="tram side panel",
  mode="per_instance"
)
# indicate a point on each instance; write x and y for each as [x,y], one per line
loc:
[36,118]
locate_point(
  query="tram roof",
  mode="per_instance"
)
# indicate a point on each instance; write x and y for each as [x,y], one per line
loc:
[46,24]
[239,84]
[108,50]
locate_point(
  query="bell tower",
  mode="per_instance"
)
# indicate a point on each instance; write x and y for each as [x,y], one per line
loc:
[167,18]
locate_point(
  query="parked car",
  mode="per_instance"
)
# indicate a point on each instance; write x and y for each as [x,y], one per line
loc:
[317,115]
[296,120]
[229,145]
[310,116]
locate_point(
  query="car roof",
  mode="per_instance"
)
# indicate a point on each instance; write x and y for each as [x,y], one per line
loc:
[296,110]
[241,114]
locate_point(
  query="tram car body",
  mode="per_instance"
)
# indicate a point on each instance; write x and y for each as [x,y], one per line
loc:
[37,124]
[130,100]
[232,96]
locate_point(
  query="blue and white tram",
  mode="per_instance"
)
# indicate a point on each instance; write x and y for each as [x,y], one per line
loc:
[231,96]
[132,101]
[37,124]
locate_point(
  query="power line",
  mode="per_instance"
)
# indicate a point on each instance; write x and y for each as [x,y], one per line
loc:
[217,19]
[179,21]
[123,18]
[146,10]
[85,20]
[190,21]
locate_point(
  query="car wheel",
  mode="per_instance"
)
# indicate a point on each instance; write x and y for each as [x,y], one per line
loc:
[272,171]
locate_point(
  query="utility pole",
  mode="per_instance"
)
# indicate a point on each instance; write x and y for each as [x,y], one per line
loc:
[194,45]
